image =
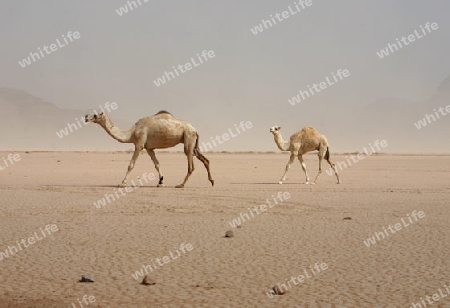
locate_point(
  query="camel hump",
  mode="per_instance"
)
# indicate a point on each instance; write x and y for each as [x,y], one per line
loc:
[164,112]
[309,129]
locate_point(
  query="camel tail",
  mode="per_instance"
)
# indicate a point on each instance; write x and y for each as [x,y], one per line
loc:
[327,154]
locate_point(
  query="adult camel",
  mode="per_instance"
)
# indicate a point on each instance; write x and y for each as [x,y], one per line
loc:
[158,131]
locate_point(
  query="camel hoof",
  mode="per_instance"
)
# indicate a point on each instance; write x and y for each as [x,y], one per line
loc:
[212,182]
[122,185]
[160,185]
[338,183]
[280,182]
[179,186]
[307,183]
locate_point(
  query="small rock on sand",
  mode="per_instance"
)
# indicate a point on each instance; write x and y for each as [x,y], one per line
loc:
[229,233]
[86,278]
[277,291]
[148,281]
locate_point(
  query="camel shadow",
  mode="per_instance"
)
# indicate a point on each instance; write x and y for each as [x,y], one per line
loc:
[103,186]
[269,183]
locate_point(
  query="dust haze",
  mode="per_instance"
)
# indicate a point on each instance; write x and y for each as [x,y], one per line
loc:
[119,55]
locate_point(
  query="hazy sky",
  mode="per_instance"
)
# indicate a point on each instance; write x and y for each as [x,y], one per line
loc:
[251,76]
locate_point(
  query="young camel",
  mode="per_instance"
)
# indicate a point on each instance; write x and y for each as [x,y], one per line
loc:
[306,140]
[159,131]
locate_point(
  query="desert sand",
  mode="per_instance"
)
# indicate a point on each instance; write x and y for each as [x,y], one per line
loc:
[323,223]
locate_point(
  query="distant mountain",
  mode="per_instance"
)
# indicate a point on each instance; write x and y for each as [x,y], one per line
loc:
[29,123]
[351,128]
[395,120]
[442,94]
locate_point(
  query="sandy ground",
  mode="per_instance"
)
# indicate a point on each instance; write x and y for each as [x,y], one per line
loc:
[114,241]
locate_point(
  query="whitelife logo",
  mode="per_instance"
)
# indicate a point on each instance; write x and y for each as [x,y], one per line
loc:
[185,248]
[243,217]
[406,40]
[71,36]
[316,88]
[319,268]
[265,24]
[73,126]
[431,118]
[187,66]
[12,158]
[207,146]
[341,165]
[124,9]
[398,226]
[86,300]
[109,198]
[11,250]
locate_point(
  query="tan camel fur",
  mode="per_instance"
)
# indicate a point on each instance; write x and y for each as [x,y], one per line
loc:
[159,131]
[304,141]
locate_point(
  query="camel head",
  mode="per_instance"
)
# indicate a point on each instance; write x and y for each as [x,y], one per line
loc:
[275,129]
[95,118]
[281,144]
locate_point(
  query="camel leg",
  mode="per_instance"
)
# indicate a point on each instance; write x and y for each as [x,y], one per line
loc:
[205,162]
[320,165]
[288,165]
[156,162]
[137,151]
[300,159]
[333,166]
[190,157]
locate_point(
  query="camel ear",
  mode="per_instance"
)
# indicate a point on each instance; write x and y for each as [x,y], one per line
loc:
[279,127]
[101,113]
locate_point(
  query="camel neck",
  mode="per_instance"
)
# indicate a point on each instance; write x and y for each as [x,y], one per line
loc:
[120,135]
[282,145]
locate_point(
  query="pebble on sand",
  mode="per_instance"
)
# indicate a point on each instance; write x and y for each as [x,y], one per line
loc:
[148,281]
[277,291]
[229,233]
[86,278]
